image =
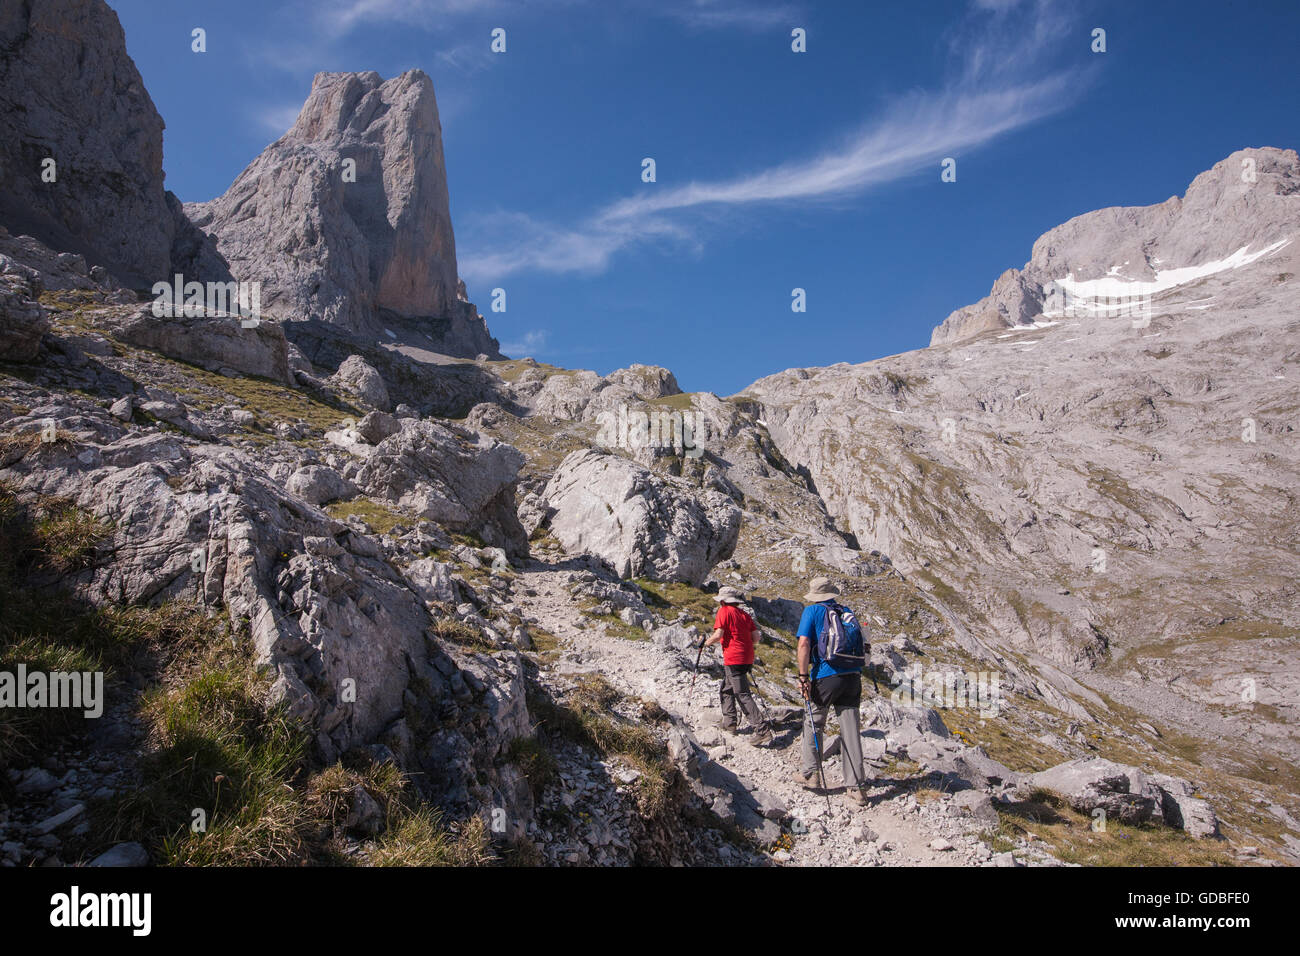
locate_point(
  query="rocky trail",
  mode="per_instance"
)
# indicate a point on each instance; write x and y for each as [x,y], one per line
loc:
[893,829]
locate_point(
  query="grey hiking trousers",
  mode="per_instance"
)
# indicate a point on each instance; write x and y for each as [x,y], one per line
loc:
[735,687]
[844,693]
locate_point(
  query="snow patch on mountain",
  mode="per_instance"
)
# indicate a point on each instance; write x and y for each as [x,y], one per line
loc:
[1114,285]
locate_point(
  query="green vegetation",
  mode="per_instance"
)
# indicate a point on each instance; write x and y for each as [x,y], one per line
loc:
[696,602]
[680,402]
[447,628]
[418,838]
[44,628]
[1069,835]
[534,761]
[615,627]
[379,517]
[589,719]
[273,401]
[219,750]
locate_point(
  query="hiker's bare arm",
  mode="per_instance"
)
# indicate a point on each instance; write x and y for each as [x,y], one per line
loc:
[715,637]
[805,655]
[755,635]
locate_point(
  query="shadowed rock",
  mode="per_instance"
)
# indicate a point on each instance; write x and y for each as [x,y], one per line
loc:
[69,92]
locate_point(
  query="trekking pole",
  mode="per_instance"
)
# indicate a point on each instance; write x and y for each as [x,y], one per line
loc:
[696,672]
[817,749]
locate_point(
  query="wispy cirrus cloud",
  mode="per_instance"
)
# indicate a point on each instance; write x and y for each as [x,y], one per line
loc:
[985,99]
[531,344]
[314,32]
[276,120]
[343,16]
[723,14]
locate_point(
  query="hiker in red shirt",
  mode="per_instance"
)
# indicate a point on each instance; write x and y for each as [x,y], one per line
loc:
[737,633]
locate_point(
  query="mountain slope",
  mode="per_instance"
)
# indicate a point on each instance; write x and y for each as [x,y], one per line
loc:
[1106,493]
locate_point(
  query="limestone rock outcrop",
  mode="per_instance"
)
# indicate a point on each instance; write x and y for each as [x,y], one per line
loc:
[345,218]
[211,341]
[22,320]
[450,476]
[1128,795]
[1247,202]
[640,522]
[70,93]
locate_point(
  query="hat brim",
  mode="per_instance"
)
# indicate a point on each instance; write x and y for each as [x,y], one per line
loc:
[817,597]
[729,600]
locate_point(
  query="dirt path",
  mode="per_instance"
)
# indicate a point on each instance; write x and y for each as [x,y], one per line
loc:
[893,830]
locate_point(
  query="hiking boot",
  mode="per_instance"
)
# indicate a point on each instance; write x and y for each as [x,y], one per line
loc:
[805,780]
[762,736]
[729,728]
[856,796]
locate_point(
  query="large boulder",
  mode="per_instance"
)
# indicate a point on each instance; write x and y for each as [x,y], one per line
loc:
[70,93]
[345,218]
[1182,808]
[319,485]
[462,481]
[583,395]
[639,522]
[1125,793]
[359,377]
[213,342]
[1129,795]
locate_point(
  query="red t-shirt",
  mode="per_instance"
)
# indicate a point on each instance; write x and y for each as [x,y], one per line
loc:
[737,646]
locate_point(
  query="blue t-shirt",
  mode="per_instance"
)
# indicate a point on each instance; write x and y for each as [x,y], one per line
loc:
[810,625]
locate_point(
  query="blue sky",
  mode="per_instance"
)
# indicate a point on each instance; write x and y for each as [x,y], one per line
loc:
[775,169]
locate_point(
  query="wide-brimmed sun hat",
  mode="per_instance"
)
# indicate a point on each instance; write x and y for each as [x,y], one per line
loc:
[730,595]
[821,589]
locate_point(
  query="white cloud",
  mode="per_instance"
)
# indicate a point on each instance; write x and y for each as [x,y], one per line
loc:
[339,17]
[984,101]
[720,14]
[343,16]
[276,120]
[531,345]
[467,58]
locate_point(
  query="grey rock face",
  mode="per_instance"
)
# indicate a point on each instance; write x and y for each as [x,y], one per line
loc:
[69,92]
[319,485]
[1129,795]
[640,522]
[451,477]
[432,580]
[211,341]
[1248,200]
[59,271]
[1183,809]
[977,807]
[360,378]
[583,394]
[1124,793]
[1043,484]
[345,218]
[326,612]
[22,320]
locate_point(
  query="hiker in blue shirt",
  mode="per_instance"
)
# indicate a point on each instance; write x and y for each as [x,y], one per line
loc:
[834,682]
